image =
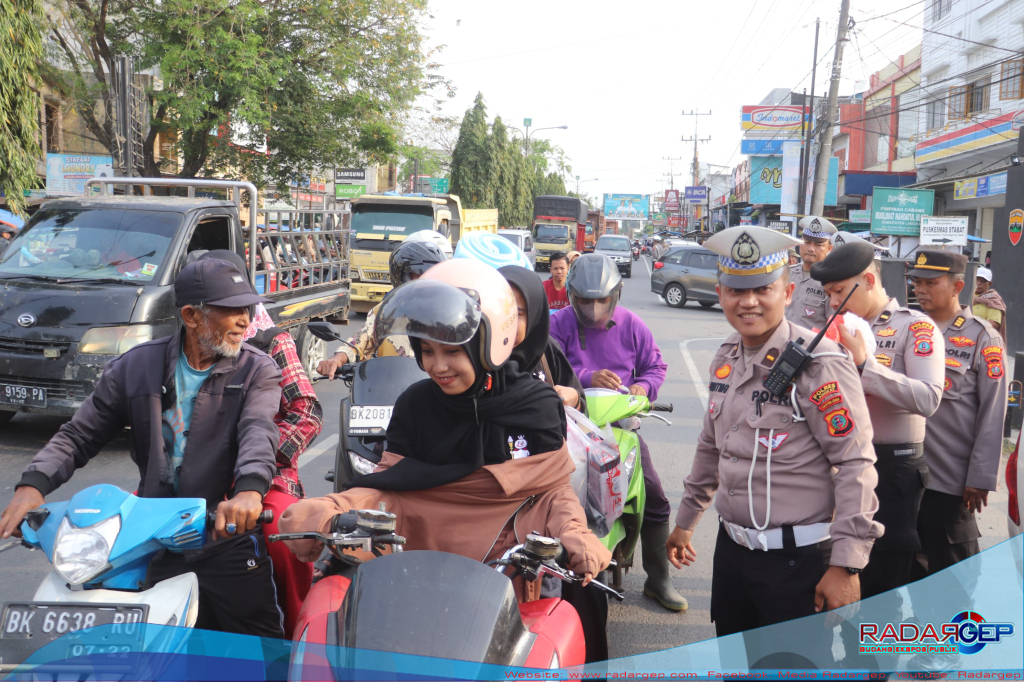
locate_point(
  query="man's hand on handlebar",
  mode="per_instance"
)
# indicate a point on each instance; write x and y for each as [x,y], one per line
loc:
[243,510]
[26,498]
[637,389]
[605,378]
[331,365]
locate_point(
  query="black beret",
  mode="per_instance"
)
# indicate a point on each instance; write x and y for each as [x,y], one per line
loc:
[844,262]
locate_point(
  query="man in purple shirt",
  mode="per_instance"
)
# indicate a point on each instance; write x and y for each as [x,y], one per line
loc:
[610,347]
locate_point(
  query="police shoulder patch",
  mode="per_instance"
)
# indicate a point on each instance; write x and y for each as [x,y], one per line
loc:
[923,347]
[839,422]
[831,402]
[825,390]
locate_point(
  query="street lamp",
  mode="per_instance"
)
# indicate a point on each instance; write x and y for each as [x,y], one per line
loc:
[579,182]
[526,135]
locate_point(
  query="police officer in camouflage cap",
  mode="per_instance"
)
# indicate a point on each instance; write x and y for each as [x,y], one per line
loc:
[790,542]
[809,307]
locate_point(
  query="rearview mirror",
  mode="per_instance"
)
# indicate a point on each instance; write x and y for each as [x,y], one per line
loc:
[323,330]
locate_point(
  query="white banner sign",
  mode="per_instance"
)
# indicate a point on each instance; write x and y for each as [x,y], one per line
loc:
[944,231]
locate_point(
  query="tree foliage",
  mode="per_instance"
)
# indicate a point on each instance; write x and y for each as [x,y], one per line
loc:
[490,170]
[20,51]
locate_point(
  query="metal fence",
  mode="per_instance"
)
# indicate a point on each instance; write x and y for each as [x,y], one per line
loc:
[299,248]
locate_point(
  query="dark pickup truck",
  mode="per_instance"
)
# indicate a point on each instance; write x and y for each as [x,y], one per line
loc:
[90,277]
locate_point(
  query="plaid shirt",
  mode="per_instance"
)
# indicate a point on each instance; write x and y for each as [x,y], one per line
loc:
[299,419]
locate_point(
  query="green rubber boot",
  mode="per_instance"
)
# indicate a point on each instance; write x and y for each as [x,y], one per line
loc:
[659,577]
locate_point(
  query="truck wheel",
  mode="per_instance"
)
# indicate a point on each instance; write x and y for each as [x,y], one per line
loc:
[311,351]
[675,296]
[6,417]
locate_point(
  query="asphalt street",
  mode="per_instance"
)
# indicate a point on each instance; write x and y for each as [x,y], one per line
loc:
[687,337]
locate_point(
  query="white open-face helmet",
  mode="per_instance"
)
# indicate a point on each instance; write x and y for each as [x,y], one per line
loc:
[442,241]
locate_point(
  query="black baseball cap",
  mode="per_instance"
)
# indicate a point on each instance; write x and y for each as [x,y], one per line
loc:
[214,282]
[933,264]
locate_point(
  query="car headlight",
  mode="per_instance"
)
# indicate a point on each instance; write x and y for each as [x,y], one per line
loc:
[114,340]
[629,463]
[80,554]
[361,464]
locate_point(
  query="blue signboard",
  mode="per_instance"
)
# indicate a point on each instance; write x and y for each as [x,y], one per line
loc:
[766,180]
[66,174]
[624,206]
[763,147]
[696,195]
[991,185]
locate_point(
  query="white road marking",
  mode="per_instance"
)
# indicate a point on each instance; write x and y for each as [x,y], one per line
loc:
[647,265]
[319,449]
[698,382]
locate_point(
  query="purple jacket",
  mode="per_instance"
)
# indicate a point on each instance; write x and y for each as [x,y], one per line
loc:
[628,349]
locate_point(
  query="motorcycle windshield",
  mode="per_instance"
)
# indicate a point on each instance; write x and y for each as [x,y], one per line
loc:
[379,381]
[434,604]
[428,309]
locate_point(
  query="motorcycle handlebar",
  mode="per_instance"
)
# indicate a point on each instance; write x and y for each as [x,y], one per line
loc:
[266,516]
[661,407]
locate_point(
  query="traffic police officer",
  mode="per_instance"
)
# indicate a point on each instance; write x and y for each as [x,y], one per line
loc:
[903,385]
[809,307]
[791,542]
[962,443]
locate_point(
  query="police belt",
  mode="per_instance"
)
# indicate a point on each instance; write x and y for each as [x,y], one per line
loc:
[889,451]
[775,538]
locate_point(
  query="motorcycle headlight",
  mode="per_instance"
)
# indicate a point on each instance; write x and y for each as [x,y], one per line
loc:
[629,463]
[114,340]
[361,464]
[80,554]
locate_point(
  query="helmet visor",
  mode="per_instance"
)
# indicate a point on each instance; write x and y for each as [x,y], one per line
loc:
[595,313]
[428,309]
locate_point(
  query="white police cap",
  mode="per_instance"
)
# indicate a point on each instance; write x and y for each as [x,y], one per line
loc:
[750,257]
[816,227]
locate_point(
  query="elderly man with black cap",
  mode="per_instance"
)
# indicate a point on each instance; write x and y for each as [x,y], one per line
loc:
[809,307]
[792,536]
[201,407]
[903,385]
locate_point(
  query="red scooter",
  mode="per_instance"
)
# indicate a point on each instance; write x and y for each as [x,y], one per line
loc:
[427,603]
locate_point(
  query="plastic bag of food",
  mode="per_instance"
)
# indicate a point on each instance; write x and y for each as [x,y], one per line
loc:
[598,480]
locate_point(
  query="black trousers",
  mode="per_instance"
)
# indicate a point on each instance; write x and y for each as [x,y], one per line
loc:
[901,485]
[236,585]
[592,606]
[752,589]
[949,534]
[657,508]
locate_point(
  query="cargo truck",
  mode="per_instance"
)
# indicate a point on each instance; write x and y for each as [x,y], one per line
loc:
[380,222]
[595,228]
[559,226]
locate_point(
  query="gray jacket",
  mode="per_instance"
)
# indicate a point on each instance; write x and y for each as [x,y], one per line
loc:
[232,438]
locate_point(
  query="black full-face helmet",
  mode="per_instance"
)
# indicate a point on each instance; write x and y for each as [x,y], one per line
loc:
[413,258]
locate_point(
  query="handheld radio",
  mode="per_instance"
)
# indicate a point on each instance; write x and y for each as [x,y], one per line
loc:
[795,358]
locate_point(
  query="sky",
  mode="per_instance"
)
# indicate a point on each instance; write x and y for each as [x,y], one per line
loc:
[620,74]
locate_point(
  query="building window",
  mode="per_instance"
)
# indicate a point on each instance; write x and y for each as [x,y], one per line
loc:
[966,100]
[936,113]
[941,8]
[1011,78]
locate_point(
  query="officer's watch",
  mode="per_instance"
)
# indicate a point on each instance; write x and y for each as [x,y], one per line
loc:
[853,571]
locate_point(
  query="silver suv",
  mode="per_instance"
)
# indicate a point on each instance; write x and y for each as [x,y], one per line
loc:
[620,249]
[686,272]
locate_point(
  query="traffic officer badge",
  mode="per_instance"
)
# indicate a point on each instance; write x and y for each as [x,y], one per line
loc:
[961,341]
[745,251]
[750,257]
[817,228]
[883,359]
[888,331]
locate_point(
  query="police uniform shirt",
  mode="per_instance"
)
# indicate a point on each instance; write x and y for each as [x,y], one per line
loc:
[810,306]
[964,438]
[836,433]
[903,379]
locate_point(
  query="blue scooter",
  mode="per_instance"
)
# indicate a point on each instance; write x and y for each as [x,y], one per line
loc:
[101,543]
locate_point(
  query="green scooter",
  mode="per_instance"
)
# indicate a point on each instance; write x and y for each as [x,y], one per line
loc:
[605,406]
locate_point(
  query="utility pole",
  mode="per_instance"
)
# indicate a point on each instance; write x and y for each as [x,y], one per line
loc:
[696,168]
[831,115]
[805,154]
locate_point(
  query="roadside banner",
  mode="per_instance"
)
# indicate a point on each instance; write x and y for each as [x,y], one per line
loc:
[66,174]
[618,206]
[696,196]
[898,212]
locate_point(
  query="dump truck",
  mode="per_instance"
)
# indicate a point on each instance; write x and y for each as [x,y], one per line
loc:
[595,228]
[380,222]
[90,277]
[559,226]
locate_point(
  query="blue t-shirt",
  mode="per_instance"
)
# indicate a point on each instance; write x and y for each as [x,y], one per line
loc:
[178,418]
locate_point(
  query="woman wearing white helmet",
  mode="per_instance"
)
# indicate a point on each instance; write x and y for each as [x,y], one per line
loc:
[479,430]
